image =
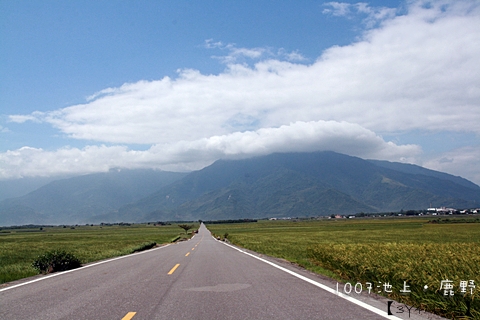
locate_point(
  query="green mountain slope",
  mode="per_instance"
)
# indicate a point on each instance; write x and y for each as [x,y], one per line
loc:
[414,170]
[276,185]
[298,184]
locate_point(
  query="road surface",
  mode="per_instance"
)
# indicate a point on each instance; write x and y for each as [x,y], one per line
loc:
[197,279]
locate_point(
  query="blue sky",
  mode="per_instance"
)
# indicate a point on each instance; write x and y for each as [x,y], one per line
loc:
[90,85]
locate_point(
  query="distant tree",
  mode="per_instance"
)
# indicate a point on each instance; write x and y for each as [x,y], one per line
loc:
[186,227]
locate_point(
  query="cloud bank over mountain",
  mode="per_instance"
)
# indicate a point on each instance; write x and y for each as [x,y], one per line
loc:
[183,155]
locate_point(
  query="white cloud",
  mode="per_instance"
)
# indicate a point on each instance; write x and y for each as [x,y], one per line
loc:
[235,54]
[300,136]
[374,15]
[34,117]
[291,56]
[101,93]
[417,71]
[243,55]
[29,161]
[338,9]
[342,137]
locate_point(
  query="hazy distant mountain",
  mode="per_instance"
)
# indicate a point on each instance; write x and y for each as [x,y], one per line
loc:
[300,184]
[20,187]
[277,185]
[80,199]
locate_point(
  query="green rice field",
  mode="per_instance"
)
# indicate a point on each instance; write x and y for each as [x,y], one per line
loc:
[19,247]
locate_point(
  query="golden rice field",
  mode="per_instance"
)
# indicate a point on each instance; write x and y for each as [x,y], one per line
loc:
[399,252]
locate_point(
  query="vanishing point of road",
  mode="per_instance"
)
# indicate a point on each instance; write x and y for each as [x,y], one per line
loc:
[197,279]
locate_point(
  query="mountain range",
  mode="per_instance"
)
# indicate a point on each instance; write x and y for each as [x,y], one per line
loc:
[80,199]
[276,185]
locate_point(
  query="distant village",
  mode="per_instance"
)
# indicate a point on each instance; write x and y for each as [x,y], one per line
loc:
[442,211]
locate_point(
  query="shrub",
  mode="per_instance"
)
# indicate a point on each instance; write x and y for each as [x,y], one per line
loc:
[56,260]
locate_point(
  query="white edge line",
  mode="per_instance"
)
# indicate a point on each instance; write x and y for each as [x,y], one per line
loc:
[84,267]
[322,286]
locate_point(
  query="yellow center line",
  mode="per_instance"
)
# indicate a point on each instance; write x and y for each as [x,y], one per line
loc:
[129,316]
[193,248]
[187,254]
[174,268]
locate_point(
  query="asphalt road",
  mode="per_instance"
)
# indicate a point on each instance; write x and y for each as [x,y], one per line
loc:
[198,279]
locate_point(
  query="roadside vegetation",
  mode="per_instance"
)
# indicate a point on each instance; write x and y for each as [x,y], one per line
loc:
[56,260]
[20,248]
[397,252]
